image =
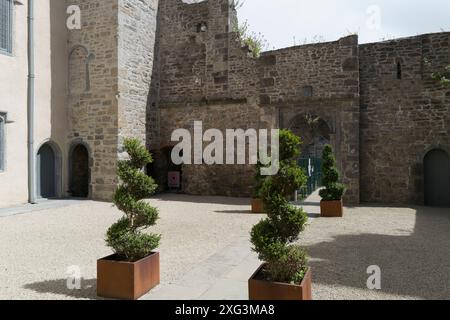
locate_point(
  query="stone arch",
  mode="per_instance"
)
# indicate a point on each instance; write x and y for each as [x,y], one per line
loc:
[79,75]
[48,170]
[315,136]
[436,165]
[80,163]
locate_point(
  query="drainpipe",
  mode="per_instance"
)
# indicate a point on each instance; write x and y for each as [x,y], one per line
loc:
[30,106]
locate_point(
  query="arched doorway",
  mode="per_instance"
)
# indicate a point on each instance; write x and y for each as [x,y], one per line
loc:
[46,172]
[79,171]
[314,132]
[164,171]
[437,178]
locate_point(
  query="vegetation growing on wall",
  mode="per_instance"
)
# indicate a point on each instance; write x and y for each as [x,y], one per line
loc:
[273,237]
[443,76]
[126,237]
[255,42]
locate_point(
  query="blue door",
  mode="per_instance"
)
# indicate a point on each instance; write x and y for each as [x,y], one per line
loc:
[46,177]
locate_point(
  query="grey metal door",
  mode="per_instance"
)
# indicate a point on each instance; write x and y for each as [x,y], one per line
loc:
[437,179]
[46,186]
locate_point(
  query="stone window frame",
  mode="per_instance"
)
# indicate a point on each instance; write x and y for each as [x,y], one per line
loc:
[3,121]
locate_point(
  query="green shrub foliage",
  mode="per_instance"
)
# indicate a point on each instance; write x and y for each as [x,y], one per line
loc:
[126,237]
[258,181]
[333,189]
[272,238]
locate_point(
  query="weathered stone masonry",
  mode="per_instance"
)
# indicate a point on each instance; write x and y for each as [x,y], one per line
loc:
[207,75]
[110,69]
[146,67]
[402,119]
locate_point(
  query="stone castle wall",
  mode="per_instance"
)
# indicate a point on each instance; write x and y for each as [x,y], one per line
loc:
[145,68]
[92,101]
[402,115]
[319,80]
[110,70]
[207,75]
[136,46]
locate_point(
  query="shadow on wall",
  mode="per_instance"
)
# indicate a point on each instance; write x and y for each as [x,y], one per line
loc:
[417,265]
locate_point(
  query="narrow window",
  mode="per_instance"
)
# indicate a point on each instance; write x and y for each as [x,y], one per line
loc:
[399,71]
[2,141]
[202,27]
[6,18]
[307,91]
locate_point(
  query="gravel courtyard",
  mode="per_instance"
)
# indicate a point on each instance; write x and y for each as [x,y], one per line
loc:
[410,245]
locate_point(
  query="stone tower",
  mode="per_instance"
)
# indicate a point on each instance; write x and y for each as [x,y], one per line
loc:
[110,70]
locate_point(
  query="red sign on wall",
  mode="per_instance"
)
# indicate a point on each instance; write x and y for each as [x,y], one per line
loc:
[174,179]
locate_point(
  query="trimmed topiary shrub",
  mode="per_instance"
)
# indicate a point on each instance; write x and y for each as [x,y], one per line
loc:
[258,181]
[273,237]
[126,237]
[333,190]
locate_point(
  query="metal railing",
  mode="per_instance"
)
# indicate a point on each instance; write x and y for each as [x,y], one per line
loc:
[313,170]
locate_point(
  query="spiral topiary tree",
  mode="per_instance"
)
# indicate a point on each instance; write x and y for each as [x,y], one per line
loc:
[273,237]
[125,237]
[258,181]
[333,190]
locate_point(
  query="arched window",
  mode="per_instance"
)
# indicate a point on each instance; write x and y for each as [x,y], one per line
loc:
[399,70]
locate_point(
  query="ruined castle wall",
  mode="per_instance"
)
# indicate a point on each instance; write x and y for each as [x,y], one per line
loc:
[110,71]
[202,78]
[92,102]
[401,119]
[320,80]
[136,44]
[330,68]
[207,75]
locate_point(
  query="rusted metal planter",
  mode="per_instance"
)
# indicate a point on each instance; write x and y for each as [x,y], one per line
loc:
[262,290]
[257,206]
[127,280]
[332,209]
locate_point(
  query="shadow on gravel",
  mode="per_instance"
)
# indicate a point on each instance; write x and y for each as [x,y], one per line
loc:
[203,199]
[235,211]
[416,265]
[88,288]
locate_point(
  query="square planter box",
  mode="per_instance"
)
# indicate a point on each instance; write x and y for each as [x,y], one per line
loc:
[332,209]
[257,206]
[262,290]
[127,280]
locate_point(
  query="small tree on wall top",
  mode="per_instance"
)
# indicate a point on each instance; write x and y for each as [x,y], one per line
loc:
[333,189]
[273,236]
[126,237]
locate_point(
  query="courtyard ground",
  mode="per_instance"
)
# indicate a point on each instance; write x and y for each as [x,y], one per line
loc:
[205,251]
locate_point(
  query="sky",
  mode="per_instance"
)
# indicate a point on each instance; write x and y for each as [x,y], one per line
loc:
[284,23]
